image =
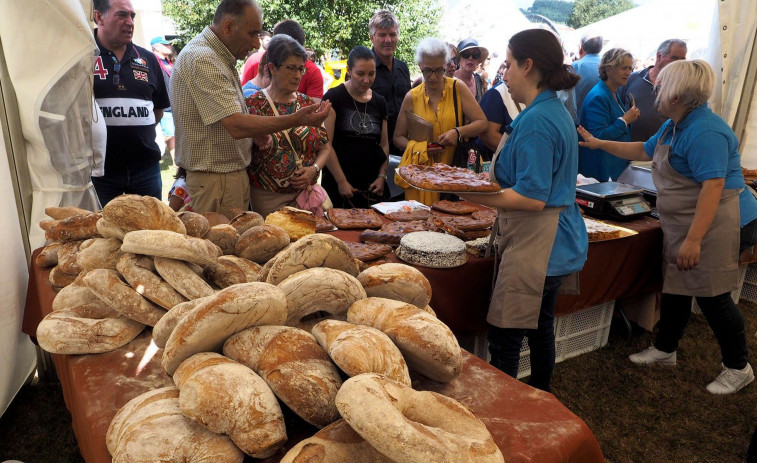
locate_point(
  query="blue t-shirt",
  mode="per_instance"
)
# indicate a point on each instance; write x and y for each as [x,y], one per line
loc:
[494,109]
[704,148]
[250,89]
[540,161]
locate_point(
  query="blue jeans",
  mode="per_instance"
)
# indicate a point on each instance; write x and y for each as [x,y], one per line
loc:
[505,343]
[144,181]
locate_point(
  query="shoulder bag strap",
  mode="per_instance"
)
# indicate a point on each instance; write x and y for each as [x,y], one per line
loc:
[454,101]
[285,132]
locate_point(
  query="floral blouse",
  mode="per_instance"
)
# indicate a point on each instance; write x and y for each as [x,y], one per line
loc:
[272,168]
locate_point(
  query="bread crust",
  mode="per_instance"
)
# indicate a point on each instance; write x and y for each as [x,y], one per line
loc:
[99,253]
[74,228]
[182,278]
[231,270]
[396,281]
[336,443]
[135,212]
[107,285]
[260,243]
[319,250]
[320,289]
[139,272]
[197,225]
[296,222]
[163,243]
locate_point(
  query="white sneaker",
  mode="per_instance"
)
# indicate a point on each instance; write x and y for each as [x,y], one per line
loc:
[731,380]
[651,356]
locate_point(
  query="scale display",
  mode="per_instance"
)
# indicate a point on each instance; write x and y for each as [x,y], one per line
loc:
[612,200]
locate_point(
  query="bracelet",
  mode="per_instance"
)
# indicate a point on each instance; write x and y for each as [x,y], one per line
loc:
[382,176]
[459,137]
[317,167]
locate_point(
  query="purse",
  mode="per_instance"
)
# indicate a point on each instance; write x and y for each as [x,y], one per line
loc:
[466,152]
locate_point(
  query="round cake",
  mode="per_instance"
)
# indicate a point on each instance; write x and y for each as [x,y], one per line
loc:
[432,249]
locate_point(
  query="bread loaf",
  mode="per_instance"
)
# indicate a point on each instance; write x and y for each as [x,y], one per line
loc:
[74,228]
[229,398]
[139,272]
[296,368]
[165,326]
[246,220]
[224,236]
[426,343]
[229,311]
[196,224]
[151,427]
[360,349]
[108,230]
[170,244]
[60,213]
[396,281]
[261,243]
[215,218]
[296,222]
[336,443]
[59,278]
[99,253]
[107,285]
[320,289]
[231,270]
[135,212]
[48,256]
[431,428]
[182,278]
[317,250]
[75,294]
[67,255]
[86,330]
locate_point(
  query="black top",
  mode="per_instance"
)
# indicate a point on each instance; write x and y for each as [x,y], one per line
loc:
[639,85]
[357,139]
[129,107]
[393,86]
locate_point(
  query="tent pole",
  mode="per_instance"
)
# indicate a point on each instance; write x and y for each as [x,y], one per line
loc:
[747,92]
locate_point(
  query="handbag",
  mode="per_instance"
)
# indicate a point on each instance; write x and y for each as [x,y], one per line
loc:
[314,198]
[466,154]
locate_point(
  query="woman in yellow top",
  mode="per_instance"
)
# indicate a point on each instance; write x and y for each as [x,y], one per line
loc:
[433,100]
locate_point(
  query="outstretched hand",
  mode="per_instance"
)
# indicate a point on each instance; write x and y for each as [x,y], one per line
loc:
[590,141]
[314,115]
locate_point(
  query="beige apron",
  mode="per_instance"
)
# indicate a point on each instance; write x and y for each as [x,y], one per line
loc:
[718,268]
[526,238]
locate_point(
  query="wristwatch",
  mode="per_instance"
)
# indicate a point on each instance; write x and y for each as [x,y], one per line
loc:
[382,176]
[317,168]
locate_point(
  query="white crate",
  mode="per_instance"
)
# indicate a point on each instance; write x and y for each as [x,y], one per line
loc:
[749,292]
[751,275]
[735,294]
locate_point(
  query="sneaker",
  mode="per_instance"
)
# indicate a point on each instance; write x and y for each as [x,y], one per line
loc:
[731,380]
[651,356]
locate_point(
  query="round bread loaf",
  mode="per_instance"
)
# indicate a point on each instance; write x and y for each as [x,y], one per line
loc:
[196,224]
[182,278]
[107,285]
[99,253]
[163,243]
[108,230]
[320,289]
[139,272]
[296,368]
[74,228]
[396,281]
[152,427]
[360,349]
[224,236]
[426,343]
[216,218]
[319,250]
[135,212]
[86,329]
[229,398]
[165,326]
[228,311]
[48,256]
[336,443]
[431,427]
[231,270]
[296,222]
[262,242]
[246,220]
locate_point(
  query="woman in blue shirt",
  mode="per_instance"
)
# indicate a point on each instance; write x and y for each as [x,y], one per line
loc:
[604,115]
[707,217]
[540,234]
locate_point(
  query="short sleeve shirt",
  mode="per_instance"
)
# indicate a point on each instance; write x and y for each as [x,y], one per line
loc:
[205,89]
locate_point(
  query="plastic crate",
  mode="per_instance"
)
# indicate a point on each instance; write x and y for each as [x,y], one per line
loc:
[749,292]
[735,294]
[751,275]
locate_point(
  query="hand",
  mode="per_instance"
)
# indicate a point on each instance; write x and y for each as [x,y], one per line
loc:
[263,143]
[313,115]
[448,138]
[688,255]
[345,189]
[632,114]
[377,187]
[303,177]
[590,141]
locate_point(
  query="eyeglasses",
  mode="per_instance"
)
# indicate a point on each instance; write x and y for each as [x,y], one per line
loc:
[454,61]
[470,55]
[430,72]
[301,70]
[117,69]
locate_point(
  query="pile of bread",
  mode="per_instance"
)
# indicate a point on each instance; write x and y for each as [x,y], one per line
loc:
[286,317]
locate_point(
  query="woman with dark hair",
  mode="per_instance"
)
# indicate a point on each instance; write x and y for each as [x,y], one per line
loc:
[357,128]
[540,235]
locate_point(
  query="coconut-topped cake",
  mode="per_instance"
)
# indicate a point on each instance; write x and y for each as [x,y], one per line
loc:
[432,249]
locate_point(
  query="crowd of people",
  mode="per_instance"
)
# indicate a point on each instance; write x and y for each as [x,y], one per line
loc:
[257,142]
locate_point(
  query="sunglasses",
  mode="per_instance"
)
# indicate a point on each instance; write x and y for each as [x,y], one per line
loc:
[117,69]
[469,55]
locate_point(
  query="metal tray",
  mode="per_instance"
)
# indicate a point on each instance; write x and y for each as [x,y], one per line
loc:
[608,189]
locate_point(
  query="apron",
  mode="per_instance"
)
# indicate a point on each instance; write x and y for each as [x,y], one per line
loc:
[718,268]
[526,238]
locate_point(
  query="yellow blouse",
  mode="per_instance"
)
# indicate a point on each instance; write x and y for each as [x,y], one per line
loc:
[444,118]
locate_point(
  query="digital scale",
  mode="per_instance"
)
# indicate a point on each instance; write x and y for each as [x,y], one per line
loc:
[612,200]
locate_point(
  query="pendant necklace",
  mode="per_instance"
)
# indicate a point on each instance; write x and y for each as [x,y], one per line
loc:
[364,125]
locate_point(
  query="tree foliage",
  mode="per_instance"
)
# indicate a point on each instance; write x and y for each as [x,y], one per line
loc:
[332,26]
[586,12]
[556,10]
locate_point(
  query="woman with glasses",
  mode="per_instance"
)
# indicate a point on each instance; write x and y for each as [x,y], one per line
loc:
[453,64]
[604,115]
[357,128]
[291,160]
[708,217]
[434,101]
[471,56]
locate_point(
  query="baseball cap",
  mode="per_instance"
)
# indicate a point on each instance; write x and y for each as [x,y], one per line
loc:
[159,39]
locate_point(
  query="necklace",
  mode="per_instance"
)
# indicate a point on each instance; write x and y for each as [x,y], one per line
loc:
[364,124]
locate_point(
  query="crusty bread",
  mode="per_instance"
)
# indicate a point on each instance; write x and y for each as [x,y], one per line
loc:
[224,236]
[75,294]
[74,228]
[170,244]
[431,428]
[64,212]
[182,278]
[229,398]
[151,427]
[246,220]
[426,343]
[162,330]
[99,253]
[336,443]
[360,349]
[396,281]
[215,218]
[48,256]
[231,270]
[320,289]
[139,272]
[108,230]
[107,285]
[229,311]
[298,370]
[86,329]
[67,257]
[296,222]
[261,243]
[196,224]
[135,212]
[60,279]
[319,250]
